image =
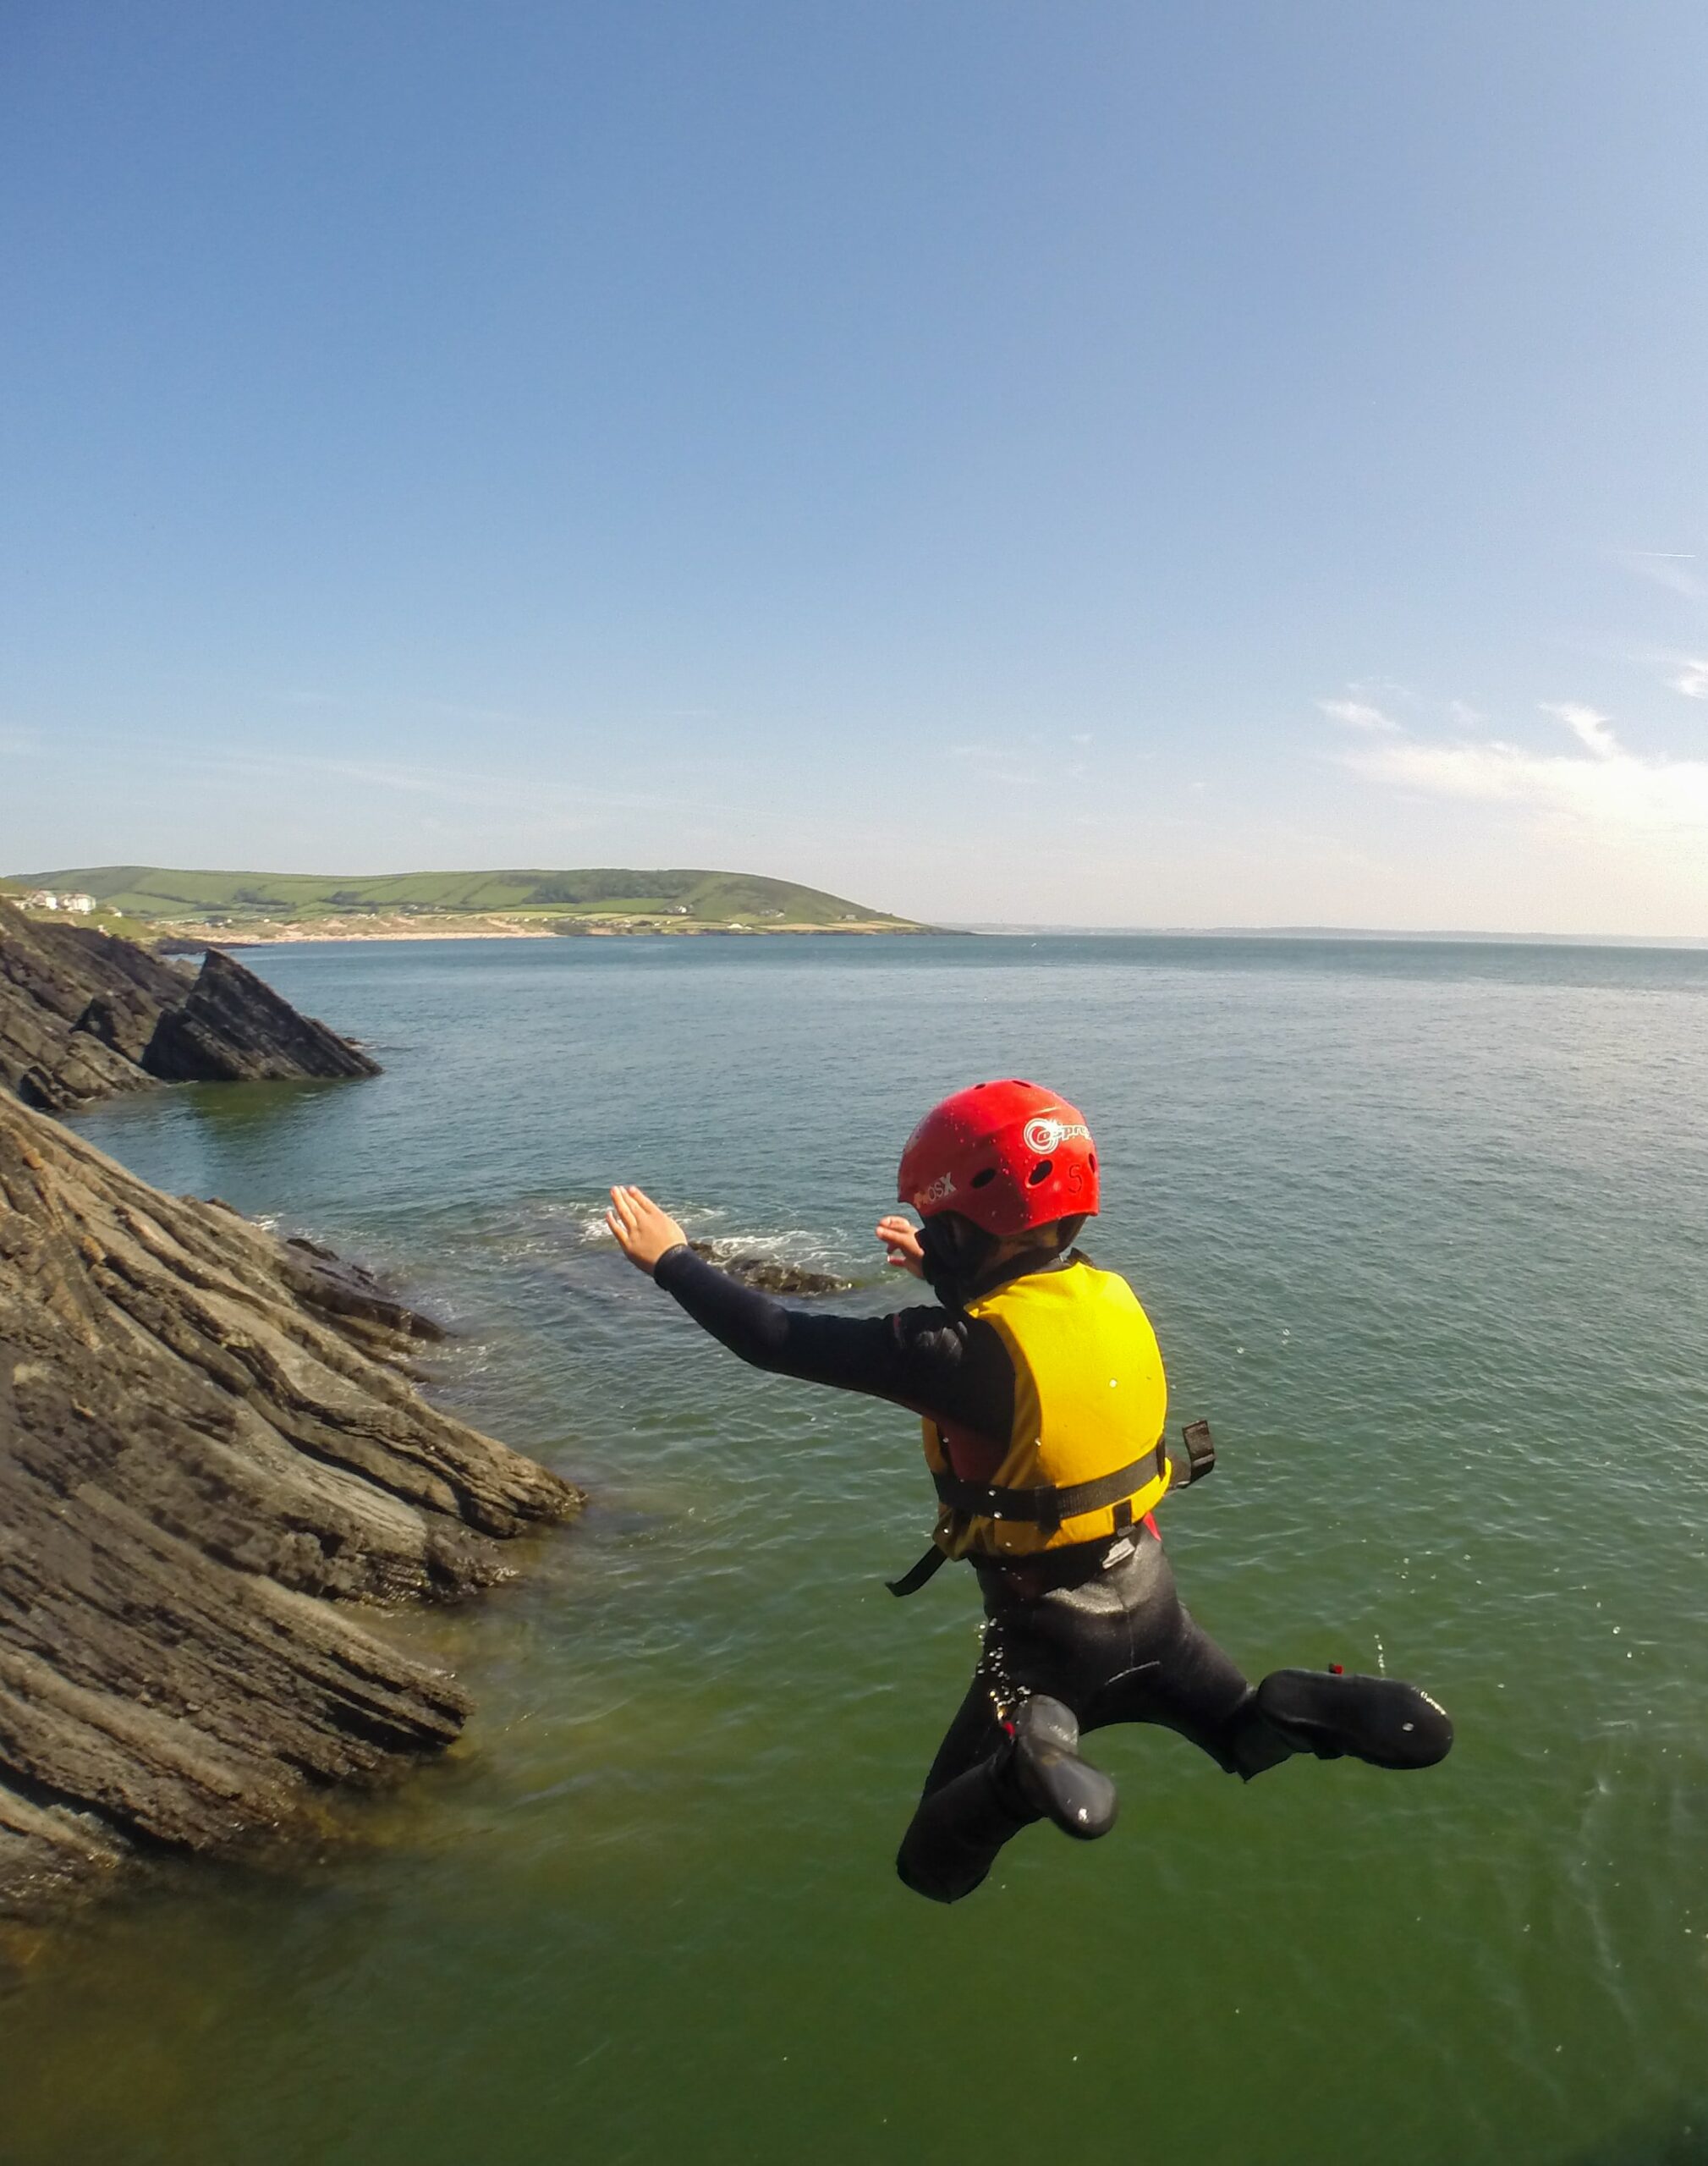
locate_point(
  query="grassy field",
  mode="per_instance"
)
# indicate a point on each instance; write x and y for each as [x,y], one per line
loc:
[166,897]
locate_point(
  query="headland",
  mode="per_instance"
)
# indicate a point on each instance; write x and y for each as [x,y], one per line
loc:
[182,910]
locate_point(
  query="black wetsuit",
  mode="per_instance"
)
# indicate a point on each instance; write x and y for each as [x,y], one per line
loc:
[1098,1626]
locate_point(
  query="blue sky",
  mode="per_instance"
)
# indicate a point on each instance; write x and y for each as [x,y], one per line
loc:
[1236,462]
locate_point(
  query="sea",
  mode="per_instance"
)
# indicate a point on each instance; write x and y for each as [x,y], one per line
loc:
[1423,1232]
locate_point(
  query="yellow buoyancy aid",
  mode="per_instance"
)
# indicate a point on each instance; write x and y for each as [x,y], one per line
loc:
[1084,1458]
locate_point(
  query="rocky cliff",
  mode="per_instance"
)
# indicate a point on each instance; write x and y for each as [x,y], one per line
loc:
[83,1015]
[206,1434]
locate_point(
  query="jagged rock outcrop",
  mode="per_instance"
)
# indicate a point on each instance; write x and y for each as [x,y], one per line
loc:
[235,1029]
[84,1015]
[766,1273]
[77,1008]
[204,1433]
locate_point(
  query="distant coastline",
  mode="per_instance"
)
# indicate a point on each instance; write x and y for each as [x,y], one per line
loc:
[186,909]
[331,931]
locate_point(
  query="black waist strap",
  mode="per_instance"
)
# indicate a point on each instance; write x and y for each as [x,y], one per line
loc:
[1047,1505]
[917,1575]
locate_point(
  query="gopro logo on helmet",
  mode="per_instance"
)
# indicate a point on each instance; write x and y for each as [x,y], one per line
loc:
[1048,1134]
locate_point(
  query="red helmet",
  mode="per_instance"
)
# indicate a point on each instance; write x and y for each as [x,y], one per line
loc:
[1008,1156]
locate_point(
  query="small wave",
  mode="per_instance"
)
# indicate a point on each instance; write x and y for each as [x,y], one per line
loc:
[831,1249]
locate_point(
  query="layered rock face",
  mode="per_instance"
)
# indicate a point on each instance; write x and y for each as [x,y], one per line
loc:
[235,1029]
[204,1433]
[77,1010]
[83,1015]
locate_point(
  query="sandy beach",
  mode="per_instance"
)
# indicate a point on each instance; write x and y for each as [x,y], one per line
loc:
[462,925]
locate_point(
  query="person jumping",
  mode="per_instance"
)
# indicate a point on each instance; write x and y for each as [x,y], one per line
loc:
[1041,1387]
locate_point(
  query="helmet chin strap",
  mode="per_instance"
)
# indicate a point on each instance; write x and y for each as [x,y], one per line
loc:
[947,1246]
[960,1259]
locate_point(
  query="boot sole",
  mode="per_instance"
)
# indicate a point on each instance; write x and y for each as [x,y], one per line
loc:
[1377,1719]
[1072,1795]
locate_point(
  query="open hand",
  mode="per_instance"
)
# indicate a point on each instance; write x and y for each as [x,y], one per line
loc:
[901,1237]
[644,1231]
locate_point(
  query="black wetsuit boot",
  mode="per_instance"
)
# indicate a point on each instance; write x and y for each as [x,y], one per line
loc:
[1045,1766]
[1035,1773]
[1373,1719]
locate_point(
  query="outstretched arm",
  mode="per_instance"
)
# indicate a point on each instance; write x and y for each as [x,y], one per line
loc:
[854,1353]
[923,1358]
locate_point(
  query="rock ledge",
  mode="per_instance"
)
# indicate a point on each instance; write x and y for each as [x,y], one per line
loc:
[83,1015]
[204,1433]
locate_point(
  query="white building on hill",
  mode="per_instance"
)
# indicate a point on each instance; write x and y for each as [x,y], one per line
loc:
[44,898]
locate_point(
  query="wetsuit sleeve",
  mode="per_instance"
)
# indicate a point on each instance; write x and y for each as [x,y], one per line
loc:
[926,1359]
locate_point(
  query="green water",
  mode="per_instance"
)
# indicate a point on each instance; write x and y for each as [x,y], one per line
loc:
[1423,1230]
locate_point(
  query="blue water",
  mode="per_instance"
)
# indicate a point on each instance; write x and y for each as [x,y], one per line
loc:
[1423,1230]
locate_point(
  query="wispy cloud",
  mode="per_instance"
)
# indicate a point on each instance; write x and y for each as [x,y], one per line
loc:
[1593,731]
[1690,676]
[299,695]
[1359,714]
[1671,569]
[468,789]
[1619,792]
[1001,763]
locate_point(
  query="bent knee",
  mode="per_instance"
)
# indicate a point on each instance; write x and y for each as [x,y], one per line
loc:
[936,1880]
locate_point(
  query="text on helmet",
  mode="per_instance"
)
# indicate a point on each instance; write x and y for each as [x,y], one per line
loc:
[1047,1133]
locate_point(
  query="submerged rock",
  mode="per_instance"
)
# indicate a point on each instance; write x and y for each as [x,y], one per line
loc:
[204,1433]
[767,1273]
[84,1015]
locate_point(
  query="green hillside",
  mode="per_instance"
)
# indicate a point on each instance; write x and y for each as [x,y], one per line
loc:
[154,892]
